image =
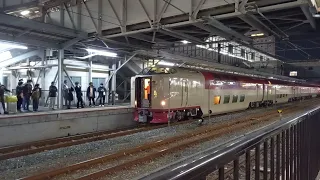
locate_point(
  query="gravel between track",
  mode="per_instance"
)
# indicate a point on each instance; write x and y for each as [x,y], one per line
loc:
[171,158]
[48,160]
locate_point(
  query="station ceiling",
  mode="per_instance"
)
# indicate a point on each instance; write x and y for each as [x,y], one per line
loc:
[158,24]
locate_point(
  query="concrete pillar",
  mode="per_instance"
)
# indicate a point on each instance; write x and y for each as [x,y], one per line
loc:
[113,82]
[60,64]
[90,71]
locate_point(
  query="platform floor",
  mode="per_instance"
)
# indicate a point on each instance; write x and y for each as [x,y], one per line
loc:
[46,110]
[34,126]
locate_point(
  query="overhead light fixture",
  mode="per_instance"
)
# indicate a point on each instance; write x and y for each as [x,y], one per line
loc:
[185,42]
[12,46]
[101,53]
[25,12]
[75,67]
[5,56]
[164,63]
[257,34]
[316,15]
[36,11]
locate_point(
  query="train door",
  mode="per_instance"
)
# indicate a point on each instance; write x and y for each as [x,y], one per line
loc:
[143,92]
[184,93]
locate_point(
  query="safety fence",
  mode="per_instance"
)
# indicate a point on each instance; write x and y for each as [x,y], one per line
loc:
[288,149]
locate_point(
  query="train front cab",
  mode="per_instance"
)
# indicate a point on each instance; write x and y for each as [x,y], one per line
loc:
[143,98]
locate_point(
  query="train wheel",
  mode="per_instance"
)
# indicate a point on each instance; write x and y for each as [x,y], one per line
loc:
[252,105]
[179,115]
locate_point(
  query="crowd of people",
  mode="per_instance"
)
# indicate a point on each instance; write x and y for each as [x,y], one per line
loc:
[25,92]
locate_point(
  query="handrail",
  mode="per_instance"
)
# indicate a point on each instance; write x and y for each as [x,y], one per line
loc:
[206,162]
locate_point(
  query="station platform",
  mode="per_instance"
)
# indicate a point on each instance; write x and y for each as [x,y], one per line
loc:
[35,126]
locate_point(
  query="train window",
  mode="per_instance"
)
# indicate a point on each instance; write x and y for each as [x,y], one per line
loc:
[280,95]
[226,99]
[216,100]
[242,97]
[235,98]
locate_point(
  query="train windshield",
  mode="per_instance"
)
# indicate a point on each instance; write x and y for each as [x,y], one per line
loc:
[160,70]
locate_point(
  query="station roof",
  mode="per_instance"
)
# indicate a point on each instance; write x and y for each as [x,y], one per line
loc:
[151,28]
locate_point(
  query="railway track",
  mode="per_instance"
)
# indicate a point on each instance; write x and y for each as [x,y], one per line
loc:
[45,145]
[128,158]
[51,144]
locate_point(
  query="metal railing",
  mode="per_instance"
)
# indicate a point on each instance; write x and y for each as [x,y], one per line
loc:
[288,149]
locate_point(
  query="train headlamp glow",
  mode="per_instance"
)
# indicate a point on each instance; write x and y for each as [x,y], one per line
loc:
[135,103]
[163,103]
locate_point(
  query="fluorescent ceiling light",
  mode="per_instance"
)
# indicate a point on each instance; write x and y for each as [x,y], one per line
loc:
[102,53]
[257,34]
[75,67]
[5,56]
[25,12]
[185,42]
[12,46]
[164,63]
[316,15]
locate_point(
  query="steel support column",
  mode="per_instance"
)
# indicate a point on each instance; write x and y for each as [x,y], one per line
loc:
[90,70]
[60,64]
[43,75]
[114,83]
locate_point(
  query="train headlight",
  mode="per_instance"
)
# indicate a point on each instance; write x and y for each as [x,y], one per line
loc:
[135,103]
[163,103]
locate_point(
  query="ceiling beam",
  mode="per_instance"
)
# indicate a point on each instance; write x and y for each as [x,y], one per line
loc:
[181,36]
[148,39]
[39,26]
[29,41]
[18,7]
[217,24]
[20,58]
[307,13]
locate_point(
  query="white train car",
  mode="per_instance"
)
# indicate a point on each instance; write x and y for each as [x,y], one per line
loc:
[177,94]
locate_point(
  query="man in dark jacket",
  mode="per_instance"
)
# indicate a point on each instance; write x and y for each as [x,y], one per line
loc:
[69,97]
[27,91]
[19,94]
[91,94]
[36,95]
[79,95]
[52,95]
[3,89]
[102,94]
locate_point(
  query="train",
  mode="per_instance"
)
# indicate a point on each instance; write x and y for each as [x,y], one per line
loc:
[175,94]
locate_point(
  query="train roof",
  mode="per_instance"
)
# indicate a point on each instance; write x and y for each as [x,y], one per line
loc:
[252,79]
[211,75]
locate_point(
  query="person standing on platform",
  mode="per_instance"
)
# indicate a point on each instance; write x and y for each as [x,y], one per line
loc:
[3,89]
[52,95]
[102,94]
[19,94]
[69,97]
[79,95]
[91,94]
[36,94]
[27,91]
[65,91]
